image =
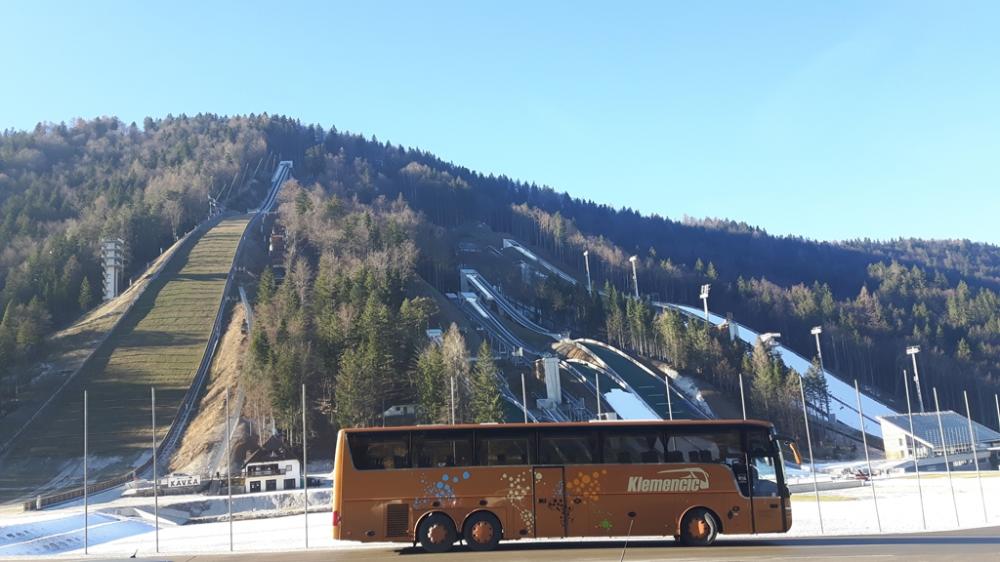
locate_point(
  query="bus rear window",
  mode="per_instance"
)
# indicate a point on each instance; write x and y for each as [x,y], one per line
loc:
[377,451]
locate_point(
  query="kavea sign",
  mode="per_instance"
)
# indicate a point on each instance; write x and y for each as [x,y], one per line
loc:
[182,480]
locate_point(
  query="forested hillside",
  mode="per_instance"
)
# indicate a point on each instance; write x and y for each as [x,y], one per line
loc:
[64,187]
[368,216]
[873,298]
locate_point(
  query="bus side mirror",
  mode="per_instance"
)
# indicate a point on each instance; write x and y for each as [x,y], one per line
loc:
[795,452]
[791,445]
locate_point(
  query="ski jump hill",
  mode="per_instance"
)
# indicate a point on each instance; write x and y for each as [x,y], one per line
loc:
[165,340]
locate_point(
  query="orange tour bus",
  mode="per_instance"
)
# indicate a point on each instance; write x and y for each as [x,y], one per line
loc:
[438,484]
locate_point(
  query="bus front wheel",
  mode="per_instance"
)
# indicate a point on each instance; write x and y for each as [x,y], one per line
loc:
[436,533]
[699,528]
[482,531]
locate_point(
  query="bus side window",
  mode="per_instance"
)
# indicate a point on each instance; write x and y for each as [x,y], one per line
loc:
[556,446]
[632,446]
[504,447]
[438,449]
[698,445]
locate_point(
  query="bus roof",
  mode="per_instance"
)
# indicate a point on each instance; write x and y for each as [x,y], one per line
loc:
[586,424]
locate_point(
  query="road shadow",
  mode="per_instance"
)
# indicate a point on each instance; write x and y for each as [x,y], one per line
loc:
[723,543]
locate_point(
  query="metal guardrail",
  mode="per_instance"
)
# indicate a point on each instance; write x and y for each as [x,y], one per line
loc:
[181,420]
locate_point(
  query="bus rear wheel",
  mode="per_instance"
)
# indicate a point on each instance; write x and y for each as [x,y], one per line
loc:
[699,528]
[436,533]
[482,531]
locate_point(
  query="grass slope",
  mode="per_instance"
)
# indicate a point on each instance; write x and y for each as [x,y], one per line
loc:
[160,343]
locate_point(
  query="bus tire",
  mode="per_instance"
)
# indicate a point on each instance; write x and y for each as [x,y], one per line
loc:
[482,531]
[436,533]
[699,527]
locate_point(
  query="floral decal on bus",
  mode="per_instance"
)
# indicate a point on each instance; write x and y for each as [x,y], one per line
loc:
[587,485]
[518,487]
[440,488]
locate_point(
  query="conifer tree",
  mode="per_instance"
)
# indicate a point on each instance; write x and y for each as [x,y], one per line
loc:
[432,386]
[456,361]
[86,295]
[486,400]
[816,389]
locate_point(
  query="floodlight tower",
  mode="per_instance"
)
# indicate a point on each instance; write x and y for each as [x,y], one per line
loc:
[816,331]
[113,262]
[635,278]
[586,261]
[912,351]
[704,298]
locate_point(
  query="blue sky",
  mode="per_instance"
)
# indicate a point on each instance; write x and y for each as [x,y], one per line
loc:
[830,120]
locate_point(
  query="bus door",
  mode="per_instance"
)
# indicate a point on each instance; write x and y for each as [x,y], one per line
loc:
[550,502]
[766,499]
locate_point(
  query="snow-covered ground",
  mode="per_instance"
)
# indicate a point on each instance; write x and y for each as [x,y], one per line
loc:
[852,511]
[842,397]
[58,533]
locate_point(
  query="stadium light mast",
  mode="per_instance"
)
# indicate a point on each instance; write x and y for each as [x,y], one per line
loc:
[816,331]
[704,298]
[586,261]
[635,277]
[912,351]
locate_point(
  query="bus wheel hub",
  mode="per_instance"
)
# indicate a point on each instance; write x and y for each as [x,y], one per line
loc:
[698,528]
[482,532]
[437,533]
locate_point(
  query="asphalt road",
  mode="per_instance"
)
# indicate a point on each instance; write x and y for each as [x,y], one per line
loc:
[966,546]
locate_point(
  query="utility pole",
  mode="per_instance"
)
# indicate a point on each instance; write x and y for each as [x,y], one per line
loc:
[868,460]
[912,351]
[743,400]
[670,406]
[597,387]
[635,277]
[913,445]
[524,399]
[944,449]
[975,455]
[812,459]
[586,261]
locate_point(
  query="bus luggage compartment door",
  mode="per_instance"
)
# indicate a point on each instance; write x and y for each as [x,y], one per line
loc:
[550,502]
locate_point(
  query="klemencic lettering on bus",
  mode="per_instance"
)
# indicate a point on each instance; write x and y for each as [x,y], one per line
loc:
[682,480]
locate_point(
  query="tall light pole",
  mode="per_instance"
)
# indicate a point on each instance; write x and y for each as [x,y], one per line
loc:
[816,331]
[635,278]
[912,351]
[156,494]
[704,298]
[305,465]
[86,499]
[586,261]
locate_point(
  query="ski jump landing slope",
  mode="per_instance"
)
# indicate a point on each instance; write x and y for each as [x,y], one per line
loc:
[159,343]
[843,402]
